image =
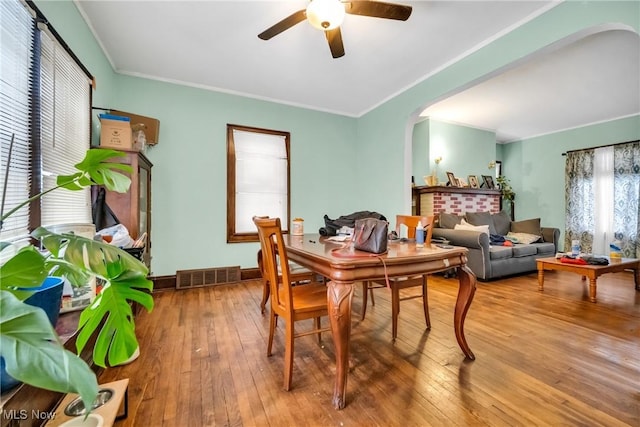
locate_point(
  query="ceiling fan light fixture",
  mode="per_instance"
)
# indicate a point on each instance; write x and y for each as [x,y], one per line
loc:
[325,14]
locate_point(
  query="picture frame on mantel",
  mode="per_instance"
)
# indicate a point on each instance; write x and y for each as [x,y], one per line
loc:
[473,181]
[487,182]
[453,181]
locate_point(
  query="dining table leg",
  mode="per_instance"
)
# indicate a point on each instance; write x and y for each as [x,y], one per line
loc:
[339,296]
[465,296]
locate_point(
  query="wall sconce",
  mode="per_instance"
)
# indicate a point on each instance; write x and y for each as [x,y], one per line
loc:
[438,160]
[492,165]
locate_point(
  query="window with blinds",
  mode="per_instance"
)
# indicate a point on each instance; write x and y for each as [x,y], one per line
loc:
[45,100]
[257,179]
[66,124]
[16,85]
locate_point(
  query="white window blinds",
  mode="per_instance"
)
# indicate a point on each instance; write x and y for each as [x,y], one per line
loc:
[261,178]
[16,47]
[65,133]
[45,101]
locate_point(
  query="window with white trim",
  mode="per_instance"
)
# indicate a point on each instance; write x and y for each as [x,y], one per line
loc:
[257,180]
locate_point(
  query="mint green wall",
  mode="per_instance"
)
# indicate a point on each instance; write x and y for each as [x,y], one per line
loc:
[389,128]
[536,166]
[420,152]
[70,25]
[339,164]
[189,174]
[465,151]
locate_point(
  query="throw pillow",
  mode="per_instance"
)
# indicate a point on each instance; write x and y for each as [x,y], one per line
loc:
[447,220]
[481,218]
[524,238]
[502,223]
[464,225]
[529,226]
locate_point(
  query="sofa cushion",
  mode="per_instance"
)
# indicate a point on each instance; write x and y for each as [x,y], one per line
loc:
[502,223]
[524,250]
[447,220]
[481,218]
[524,238]
[464,225]
[546,248]
[500,252]
[529,226]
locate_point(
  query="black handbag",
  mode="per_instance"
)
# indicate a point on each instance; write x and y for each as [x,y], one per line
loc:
[370,235]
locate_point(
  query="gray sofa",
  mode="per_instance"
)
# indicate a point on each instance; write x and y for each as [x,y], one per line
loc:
[490,261]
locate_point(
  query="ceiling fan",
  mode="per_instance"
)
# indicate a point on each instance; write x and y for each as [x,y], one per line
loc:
[327,15]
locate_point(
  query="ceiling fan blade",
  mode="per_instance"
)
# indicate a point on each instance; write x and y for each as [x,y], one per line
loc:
[283,25]
[334,37]
[378,9]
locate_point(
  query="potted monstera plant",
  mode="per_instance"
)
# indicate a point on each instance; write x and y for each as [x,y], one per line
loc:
[30,347]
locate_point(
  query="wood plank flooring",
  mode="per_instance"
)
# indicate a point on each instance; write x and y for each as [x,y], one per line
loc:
[542,359]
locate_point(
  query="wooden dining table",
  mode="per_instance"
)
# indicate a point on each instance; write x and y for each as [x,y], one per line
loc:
[342,266]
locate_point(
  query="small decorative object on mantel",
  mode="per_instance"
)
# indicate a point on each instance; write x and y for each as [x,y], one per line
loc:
[473,181]
[453,181]
[487,182]
[430,180]
[433,179]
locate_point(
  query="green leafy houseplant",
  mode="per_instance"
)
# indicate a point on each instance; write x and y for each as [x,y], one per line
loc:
[30,346]
[505,188]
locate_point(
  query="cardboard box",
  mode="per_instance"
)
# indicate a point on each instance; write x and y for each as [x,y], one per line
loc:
[151,125]
[115,132]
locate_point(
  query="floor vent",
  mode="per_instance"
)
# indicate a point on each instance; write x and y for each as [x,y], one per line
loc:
[187,279]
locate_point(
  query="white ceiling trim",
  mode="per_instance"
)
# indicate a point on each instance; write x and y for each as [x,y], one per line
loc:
[461,98]
[232,92]
[569,128]
[95,35]
[403,89]
[209,51]
[463,55]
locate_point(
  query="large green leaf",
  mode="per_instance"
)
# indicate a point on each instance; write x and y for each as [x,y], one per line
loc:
[96,168]
[34,355]
[26,269]
[125,281]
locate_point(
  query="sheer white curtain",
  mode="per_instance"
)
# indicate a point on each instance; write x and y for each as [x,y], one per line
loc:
[604,201]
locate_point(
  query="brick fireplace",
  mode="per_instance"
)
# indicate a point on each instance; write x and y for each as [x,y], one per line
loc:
[457,200]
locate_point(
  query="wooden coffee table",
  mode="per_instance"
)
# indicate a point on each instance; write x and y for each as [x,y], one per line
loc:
[590,271]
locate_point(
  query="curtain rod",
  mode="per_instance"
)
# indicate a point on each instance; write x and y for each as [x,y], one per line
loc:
[40,18]
[599,146]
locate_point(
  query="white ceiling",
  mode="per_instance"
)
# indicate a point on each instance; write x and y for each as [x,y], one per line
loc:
[590,80]
[214,45]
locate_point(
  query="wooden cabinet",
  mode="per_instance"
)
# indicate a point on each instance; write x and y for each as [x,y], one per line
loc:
[133,208]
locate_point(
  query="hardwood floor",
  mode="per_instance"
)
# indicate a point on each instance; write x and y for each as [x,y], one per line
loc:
[542,358]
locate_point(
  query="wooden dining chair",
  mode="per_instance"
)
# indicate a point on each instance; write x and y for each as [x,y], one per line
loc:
[292,303]
[298,274]
[403,282]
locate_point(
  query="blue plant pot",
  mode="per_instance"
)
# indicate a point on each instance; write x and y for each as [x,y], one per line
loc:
[48,297]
